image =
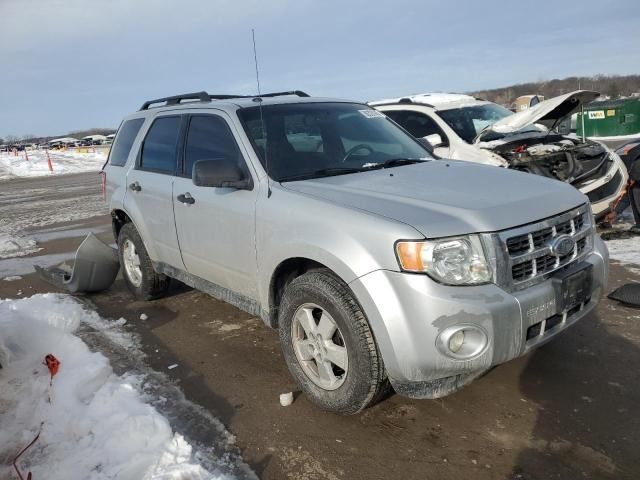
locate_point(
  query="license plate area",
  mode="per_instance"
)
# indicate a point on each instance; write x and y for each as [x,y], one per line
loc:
[573,287]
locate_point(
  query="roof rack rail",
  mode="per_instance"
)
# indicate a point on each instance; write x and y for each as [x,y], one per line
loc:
[207,97]
[176,99]
[299,93]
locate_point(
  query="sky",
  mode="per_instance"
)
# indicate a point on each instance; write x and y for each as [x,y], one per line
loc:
[74,64]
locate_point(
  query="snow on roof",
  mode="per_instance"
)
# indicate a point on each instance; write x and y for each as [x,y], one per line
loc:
[64,140]
[94,137]
[112,135]
[437,100]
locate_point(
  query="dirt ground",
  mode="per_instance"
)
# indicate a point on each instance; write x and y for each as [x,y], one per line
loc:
[565,411]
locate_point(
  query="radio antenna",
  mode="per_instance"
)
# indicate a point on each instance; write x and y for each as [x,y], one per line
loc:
[259,100]
[255,59]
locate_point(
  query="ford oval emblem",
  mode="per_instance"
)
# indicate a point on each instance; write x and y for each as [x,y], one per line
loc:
[563,245]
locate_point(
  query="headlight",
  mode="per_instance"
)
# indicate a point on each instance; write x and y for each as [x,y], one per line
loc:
[454,261]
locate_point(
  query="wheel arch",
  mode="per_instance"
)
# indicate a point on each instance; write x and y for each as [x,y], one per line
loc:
[120,217]
[286,271]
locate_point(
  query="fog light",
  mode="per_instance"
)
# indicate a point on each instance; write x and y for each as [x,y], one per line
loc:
[456,341]
[462,342]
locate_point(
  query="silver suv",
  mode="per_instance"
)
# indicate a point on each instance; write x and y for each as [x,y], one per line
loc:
[380,266]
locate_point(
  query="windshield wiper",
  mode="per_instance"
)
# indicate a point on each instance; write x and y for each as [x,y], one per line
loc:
[395,162]
[323,172]
[328,172]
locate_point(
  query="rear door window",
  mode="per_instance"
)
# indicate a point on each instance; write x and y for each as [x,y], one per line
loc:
[124,141]
[209,138]
[160,147]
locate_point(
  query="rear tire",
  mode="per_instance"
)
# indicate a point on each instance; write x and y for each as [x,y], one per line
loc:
[143,281]
[329,346]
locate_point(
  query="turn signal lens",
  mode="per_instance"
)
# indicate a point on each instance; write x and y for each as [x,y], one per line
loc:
[410,256]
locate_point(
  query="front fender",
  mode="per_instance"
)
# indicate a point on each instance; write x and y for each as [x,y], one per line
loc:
[350,242]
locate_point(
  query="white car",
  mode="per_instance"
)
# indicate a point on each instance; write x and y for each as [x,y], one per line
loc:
[463,127]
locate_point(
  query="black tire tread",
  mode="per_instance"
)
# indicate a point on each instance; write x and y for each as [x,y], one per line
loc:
[154,284]
[324,279]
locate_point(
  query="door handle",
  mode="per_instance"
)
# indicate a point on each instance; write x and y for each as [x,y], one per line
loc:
[135,186]
[186,198]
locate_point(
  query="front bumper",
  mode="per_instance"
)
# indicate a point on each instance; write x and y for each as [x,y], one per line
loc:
[407,312]
[603,191]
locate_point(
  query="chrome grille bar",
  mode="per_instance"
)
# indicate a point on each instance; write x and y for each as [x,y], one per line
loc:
[524,255]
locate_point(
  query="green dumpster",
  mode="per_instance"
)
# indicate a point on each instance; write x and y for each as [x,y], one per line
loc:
[610,118]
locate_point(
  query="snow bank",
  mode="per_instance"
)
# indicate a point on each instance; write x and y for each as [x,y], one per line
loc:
[16,246]
[37,166]
[97,425]
[625,250]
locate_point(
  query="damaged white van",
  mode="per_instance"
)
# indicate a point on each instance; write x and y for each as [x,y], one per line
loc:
[463,127]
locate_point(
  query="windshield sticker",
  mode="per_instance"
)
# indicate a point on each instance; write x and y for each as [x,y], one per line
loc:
[371,113]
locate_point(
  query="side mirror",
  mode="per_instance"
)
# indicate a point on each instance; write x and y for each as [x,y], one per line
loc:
[220,172]
[435,140]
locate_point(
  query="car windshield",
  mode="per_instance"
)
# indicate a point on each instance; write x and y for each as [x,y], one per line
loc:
[310,140]
[468,122]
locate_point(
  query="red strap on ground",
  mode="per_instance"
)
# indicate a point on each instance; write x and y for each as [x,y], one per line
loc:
[15,460]
[53,364]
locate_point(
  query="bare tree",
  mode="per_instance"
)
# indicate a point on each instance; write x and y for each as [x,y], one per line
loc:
[612,85]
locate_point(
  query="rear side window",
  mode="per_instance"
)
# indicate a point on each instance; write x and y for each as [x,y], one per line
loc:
[123,142]
[159,151]
[209,138]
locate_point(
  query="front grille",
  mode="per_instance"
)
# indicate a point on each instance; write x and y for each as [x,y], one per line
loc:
[530,255]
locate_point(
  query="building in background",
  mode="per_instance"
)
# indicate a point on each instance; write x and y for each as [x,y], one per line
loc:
[93,140]
[526,101]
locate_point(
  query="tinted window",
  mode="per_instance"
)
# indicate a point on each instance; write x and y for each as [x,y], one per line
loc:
[209,138]
[160,146]
[124,140]
[315,139]
[303,133]
[417,124]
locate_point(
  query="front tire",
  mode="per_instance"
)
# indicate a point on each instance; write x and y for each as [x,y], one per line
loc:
[328,344]
[137,269]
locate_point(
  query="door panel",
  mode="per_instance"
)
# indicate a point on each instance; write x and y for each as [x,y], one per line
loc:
[151,209]
[215,226]
[149,199]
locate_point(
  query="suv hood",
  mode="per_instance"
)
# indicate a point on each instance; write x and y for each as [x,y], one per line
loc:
[443,198]
[547,112]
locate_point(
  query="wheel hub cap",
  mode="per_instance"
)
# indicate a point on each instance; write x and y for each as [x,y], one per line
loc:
[131,262]
[319,346]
